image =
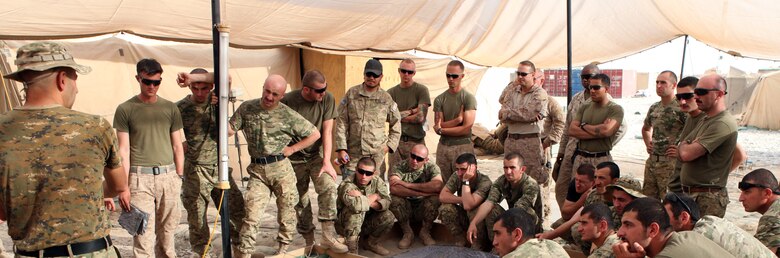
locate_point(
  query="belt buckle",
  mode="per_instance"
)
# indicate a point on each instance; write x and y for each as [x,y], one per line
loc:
[155,170]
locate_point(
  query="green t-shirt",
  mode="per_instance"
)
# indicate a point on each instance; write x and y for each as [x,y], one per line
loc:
[450,104]
[480,184]
[593,114]
[268,132]
[718,135]
[690,244]
[410,98]
[690,123]
[200,124]
[315,112]
[150,126]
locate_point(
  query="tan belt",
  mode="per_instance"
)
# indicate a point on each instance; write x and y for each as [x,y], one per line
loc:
[154,170]
[516,136]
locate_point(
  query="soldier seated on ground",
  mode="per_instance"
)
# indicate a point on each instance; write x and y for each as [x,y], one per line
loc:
[363,202]
[461,197]
[415,185]
[579,189]
[513,236]
[760,194]
[597,227]
[684,215]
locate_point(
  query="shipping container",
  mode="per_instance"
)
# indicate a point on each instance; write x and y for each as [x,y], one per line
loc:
[555,82]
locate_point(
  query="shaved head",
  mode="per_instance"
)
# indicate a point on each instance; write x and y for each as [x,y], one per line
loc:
[273,91]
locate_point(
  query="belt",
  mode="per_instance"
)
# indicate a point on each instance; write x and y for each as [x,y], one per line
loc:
[405,138]
[268,159]
[591,154]
[451,142]
[701,189]
[660,157]
[77,248]
[516,136]
[155,170]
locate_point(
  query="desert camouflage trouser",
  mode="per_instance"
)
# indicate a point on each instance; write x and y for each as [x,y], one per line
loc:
[197,191]
[402,153]
[424,209]
[658,171]
[711,203]
[325,187]
[110,252]
[157,195]
[277,178]
[373,222]
[566,173]
[446,156]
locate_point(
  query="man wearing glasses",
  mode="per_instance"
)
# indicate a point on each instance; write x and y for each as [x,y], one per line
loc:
[362,113]
[318,106]
[662,126]
[684,216]
[688,105]
[151,148]
[413,100]
[455,110]
[706,152]
[363,202]
[523,107]
[760,193]
[415,185]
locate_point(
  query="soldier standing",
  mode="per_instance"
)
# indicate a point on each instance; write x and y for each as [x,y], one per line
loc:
[455,111]
[363,204]
[53,162]
[269,127]
[362,112]
[318,106]
[413,100]
[460,198]
[415,185]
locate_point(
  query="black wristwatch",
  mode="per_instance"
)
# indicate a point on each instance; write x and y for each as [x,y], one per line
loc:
[582,126]
[466,183]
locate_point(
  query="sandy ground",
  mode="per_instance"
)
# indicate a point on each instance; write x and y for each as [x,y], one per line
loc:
[630,154]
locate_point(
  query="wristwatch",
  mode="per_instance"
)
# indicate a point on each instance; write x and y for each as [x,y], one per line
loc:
[438,131]
[582,126]
[467,183]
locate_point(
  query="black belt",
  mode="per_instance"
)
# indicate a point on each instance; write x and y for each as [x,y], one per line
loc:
[516,136]
[268,159]
[78,248]
[405,138]
[591,154]
[701,189]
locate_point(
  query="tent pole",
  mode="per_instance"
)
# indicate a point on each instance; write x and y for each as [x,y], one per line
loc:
[682,64]
[569,94]
[220,35]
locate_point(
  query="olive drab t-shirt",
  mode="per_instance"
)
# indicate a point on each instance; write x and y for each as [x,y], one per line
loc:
[410,98]
[150,126]
[450,105]
[593,115]
[718,135]
[315,112]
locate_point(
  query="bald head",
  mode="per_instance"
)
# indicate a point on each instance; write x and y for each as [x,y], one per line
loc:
[273,91]
[418,156]
[421,150]
[591,68]
[713,81]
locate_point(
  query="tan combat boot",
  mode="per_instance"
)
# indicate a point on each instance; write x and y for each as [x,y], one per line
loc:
[352,244]
[309,237]
[408,237]
[330,239]
[373,245]
[282,248]
[425,234]
[237,252]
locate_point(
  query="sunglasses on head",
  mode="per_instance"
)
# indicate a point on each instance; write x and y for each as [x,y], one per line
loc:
[586,76]
[744,186]
[686,96]
[372,75]
[406,71]
[320,91]
[594,87]
[676,198]
[453,76]
[365,172]
[521,74]
[703,91]
[415,157]
[151,82]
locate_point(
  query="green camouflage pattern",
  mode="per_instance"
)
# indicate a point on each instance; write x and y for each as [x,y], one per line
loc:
[667,122]
[267,132]
[51,168]
[526,194]
[531,151]
[423,175]
[354,211]
[731,237]
[424,209]
[711,203]
[658,174]
[596,197]
[538,248]
[402,153]
[456,220]
[605,250]
[324,186]
[200,122]
[768,231]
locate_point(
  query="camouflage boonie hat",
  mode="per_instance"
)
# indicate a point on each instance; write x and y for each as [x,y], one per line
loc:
[631,186]
[41,56]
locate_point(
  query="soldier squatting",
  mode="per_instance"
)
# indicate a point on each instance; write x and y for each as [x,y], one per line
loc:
[77,164]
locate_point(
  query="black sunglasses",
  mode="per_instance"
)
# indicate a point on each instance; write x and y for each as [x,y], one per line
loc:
[586,76]
[415,157]
[453,76]
[406,71]
[320,91]
[686,96]
[676,198]
[151,82]
[703,91]
[372,75]
[365,172]
[594,87]
[744,186]
[521,74]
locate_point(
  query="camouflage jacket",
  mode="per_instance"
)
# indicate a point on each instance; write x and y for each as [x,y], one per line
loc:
[525,194]
[520,110]
[423,175]
[605,251]
[360,203]
[360,123]
[768,231]
[731,237]
[667,122]
[554,123]
[536,248]
[269,131]
[199,121]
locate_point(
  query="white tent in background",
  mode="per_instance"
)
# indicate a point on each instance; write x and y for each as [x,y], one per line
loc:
[740,88]
[763,107]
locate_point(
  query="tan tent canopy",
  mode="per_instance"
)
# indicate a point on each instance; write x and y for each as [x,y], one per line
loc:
[763,107]
[491,33]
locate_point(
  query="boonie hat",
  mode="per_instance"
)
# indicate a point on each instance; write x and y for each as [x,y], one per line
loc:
[632,186]
[373,66]
[41,56]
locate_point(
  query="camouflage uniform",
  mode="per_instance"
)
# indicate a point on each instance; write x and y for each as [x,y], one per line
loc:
[520,111]
[667,121]
[360,130]
[457,219]
[267,133]
[450,147]
[605,250]
[538,248]
[426,208]
[201,174]
[768,231]
[731,237]
[51,176]
[524,195]
[492,144]
[552,131]
[356,217]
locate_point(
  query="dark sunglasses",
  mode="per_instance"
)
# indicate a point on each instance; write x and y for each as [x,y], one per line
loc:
[406,71]
[151,82]
[675,198]
[415,157]
[744,186]
[586,76]
[372,75]
[521,74]
[686,96]
[594,87]
[365,172]
[320,91]
[703,91]
[453,76]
